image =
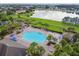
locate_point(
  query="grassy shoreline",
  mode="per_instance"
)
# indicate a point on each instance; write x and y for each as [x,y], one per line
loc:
[50,25]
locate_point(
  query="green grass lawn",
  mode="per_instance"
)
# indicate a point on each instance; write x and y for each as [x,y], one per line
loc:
[52,25]
[47,24]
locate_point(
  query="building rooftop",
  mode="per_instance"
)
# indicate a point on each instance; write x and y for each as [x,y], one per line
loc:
[11,43]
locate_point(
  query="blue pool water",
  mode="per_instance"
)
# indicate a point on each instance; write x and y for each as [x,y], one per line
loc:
[34,37]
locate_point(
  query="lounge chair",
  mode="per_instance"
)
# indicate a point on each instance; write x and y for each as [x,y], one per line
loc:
[13,37]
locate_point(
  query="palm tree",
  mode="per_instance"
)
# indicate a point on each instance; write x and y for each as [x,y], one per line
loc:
[49,38]
[58,49]
[35,50]
[63,42]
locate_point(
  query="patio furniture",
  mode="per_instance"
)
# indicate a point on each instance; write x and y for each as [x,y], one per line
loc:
[13,37]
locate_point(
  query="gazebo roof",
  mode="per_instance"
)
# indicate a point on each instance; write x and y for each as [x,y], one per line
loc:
[68,35]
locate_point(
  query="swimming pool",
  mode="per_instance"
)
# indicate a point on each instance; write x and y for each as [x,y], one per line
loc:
[37,37]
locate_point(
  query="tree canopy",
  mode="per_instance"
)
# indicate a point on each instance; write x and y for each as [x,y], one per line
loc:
[35,50]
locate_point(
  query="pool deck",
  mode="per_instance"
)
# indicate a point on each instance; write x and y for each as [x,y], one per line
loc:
[56,35]
[29,29]
[26,43]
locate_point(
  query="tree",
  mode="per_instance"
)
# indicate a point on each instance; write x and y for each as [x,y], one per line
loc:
[35,50]
[77,36]
[58,49]
[63,54]
[70,29]
[46,7]
[68,49]
[10,12]
[63,50]
[49,37]
[63,42]
[76,47]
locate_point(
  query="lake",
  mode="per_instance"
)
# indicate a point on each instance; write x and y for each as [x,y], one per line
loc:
[52,15]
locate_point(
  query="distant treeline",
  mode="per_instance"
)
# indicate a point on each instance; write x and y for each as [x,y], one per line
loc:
[74,20]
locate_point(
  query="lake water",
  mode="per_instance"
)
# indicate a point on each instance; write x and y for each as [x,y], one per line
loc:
[52,15]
